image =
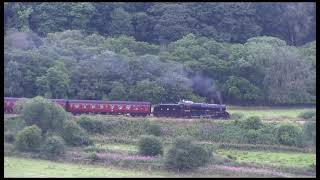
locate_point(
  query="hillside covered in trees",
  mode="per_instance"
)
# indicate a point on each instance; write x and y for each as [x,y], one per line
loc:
[237,53]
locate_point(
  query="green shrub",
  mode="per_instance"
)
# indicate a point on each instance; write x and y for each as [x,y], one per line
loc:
[74,135]
[307,114]
[253,122]
[184,155]
[309,132]
[267,135]
[92,125]
[29,139]
[251,136]
[155,129]
[9,137]
[53,147]
[150,146]
[43,113]
[289,134]
[14,125]
[237,115]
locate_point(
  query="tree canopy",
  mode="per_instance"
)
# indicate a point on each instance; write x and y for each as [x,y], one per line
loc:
[161,52]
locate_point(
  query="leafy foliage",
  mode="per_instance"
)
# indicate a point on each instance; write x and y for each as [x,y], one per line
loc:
[53,147]
[92,125]
[155,129]
[14,125]
[307,114]
[289,134]
[29,139]
[150,146]
[184,155]
[309,132]
[253,122]
[251,136]
[74,135]
[43,113]
[154,51]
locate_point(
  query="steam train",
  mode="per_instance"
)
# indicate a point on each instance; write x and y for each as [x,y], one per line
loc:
[187,109]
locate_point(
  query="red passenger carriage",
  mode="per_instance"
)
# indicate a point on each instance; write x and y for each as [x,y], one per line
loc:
[9,103]
[93,106]
[109,107]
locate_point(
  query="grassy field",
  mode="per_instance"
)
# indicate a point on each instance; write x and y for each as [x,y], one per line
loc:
[286,159]
[268,112]
[124,141]
[21,167]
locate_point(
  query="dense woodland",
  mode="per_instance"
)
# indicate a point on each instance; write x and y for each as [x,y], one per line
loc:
[235,53]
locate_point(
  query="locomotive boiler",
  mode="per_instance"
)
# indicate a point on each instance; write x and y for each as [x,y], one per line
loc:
[191,110]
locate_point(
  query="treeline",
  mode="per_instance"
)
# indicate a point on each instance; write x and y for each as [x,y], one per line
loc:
[163,23]
[74,65]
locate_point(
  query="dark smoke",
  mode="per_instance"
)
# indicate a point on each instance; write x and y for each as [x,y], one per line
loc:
[206,87]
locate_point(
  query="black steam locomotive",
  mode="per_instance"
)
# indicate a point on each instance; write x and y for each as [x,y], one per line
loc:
[191,110]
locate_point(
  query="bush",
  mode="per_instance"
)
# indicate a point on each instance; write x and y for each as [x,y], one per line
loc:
[150,146]
[237,115]
[251,136]
[29,139]
[307,114]
[253,122]
[92,125]
[267,134]
[74,135]
[14,125]
[309,132]
[44,114]
[9,137]
[184,155]
[289,134]
[53,147]
[155,129]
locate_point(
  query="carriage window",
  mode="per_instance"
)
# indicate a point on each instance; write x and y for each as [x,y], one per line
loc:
[168,109]
[128,106]
[97,106]
[112,106]
[120,107]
